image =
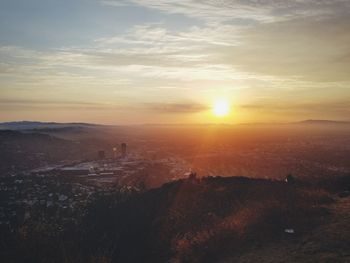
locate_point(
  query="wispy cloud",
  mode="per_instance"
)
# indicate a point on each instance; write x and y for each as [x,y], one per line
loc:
[228,10]
[176,107]
[22,104]
[306,48]
[315,106]
[156,107]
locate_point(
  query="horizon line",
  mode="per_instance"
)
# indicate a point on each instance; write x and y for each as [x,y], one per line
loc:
[304,121]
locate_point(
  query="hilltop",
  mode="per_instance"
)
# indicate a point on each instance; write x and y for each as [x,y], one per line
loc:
[30,125]
[37,125]
[21,151]
[324,122]
[203,220]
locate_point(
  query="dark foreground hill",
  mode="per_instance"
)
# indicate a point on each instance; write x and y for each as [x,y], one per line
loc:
[207,220]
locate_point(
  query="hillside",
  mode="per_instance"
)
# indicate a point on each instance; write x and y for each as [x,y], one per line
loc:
[203,220]
[324,122]
[21,151]
[30,125]
[328,242]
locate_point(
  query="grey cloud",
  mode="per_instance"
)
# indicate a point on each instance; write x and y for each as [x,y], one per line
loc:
[207,9]
[342,107]
[160,60]
[176,107]
[262,10]
[23,104]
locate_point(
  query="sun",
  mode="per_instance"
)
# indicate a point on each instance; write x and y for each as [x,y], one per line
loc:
[221,108]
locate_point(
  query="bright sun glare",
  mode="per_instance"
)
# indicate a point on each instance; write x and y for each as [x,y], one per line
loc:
[221,108]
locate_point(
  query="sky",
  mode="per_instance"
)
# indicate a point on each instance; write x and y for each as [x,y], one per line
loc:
[163,61]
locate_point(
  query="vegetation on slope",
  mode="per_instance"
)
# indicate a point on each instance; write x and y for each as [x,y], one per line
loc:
[191,220]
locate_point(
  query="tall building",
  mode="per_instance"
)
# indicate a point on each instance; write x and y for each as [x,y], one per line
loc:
[114,152]
[123,150]
[101,155]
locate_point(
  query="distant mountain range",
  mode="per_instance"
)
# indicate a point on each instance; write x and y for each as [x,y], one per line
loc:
[34,125]
[30,125]
[323,122]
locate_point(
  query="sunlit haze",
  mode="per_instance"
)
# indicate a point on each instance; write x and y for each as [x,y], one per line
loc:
[147,61]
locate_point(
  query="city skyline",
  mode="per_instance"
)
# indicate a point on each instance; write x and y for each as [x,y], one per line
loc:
[133,61]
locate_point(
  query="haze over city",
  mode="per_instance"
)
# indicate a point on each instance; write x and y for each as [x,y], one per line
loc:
[133,62]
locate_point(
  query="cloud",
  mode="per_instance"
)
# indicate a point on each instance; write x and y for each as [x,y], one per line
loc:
[208,10]
[292,106]
[282,46]
[228,10]
[309,49]
[22,104]
[180,59]
[176,107]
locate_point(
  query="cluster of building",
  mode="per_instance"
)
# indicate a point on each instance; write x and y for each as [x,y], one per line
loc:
[120,168]
[64,190]
[26,198]
[101,154]
[273,160]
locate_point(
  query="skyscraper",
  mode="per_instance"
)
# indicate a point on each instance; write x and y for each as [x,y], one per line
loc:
[114,153]
[123,150]
[101,155]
